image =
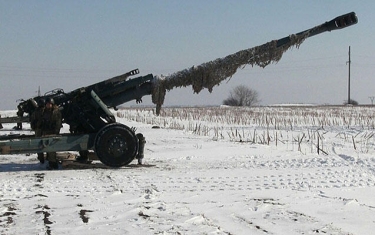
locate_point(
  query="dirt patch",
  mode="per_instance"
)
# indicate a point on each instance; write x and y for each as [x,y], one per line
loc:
[82,214]
[46,214]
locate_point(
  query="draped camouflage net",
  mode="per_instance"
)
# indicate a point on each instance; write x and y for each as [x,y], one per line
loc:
[212,73]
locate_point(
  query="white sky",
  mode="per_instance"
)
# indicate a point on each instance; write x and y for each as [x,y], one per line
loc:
[70,44]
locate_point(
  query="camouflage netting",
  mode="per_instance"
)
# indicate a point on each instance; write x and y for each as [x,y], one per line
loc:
[209,74]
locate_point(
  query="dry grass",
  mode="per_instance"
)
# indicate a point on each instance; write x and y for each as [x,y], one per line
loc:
[305,129]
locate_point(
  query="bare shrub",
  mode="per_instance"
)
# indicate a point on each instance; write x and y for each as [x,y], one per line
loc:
[242,96]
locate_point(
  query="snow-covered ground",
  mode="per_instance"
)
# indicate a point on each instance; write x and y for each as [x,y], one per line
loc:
[238,178]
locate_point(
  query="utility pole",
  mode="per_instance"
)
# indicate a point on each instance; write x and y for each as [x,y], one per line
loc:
[372,99]
[349,62]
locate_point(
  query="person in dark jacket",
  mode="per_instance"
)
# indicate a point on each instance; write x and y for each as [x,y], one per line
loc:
[48,121]
[36,124]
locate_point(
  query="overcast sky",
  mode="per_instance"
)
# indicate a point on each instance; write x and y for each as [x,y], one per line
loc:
[70,44]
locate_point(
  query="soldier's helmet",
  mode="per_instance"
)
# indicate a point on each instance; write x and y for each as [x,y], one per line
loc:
[50,100]
[41,102]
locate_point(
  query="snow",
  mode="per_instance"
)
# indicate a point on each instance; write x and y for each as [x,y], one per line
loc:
[206,182]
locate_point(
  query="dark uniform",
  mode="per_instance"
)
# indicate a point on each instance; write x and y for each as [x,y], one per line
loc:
[36,124]
[48,121]
[19,124]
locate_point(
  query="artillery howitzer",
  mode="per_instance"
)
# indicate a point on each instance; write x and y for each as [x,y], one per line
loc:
[94,127]
[91,123]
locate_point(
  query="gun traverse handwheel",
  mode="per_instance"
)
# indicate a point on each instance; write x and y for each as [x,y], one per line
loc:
[116,145]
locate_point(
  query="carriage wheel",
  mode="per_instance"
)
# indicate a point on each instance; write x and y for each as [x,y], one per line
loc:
[116,145]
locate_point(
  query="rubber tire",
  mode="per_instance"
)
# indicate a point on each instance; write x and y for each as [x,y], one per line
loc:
[116,145]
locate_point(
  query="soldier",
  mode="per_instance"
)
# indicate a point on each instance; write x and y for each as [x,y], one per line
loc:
[140,154]
[19,124]
[49,122]
[36,124]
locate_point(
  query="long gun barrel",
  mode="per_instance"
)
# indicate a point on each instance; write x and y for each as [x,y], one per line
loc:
[209,74]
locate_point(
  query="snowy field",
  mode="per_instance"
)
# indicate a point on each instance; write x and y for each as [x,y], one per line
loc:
[279,170]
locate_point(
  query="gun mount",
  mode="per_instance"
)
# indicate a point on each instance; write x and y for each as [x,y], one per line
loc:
[94,127]
[85,109]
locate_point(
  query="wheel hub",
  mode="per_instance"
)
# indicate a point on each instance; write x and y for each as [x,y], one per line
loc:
[117,147]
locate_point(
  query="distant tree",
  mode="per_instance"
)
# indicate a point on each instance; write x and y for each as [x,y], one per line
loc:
[352,102]
[242,96]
